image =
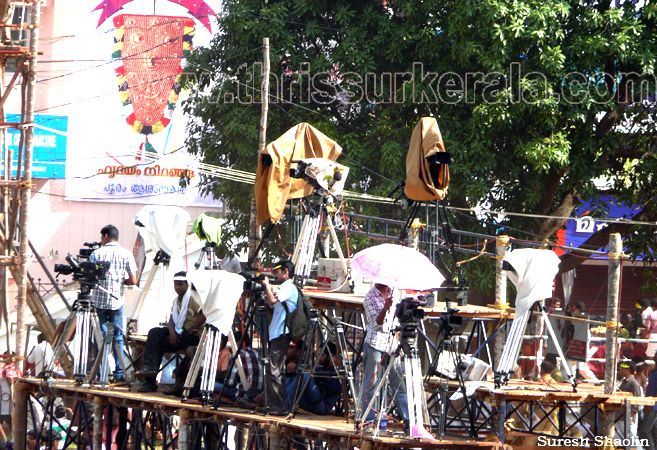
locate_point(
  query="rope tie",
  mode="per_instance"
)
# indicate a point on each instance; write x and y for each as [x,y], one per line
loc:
[612,324]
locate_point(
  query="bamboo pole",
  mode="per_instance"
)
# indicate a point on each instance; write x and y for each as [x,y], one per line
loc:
[27,191]
[19,415]
[99,407]
[274,437]
[6,250]
[184,434]
[502,246]
[255,230]
[613,291]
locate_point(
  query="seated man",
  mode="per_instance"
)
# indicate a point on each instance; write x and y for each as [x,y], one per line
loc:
[324,388]
[254,370]
[181,332]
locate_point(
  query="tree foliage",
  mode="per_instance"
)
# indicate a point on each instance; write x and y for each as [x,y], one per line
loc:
[540,103]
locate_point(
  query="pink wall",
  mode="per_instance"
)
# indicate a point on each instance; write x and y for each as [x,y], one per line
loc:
[58,227]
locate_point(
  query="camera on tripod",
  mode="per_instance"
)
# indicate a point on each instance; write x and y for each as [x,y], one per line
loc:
[449,321]
[85,271]
[324,175]
[253,284]
[408,309]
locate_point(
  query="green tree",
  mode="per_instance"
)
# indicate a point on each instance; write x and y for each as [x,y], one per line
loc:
[538,102]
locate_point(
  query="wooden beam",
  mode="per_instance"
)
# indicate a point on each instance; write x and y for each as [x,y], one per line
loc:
[10,86]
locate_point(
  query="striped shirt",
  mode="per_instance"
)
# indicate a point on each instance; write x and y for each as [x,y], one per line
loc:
[378,335]
[253,369]
[122,263]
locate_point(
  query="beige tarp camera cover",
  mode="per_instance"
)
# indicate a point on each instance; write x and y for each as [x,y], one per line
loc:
[273,184]
[426,141]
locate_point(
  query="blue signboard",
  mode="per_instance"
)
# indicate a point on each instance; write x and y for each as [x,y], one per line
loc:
[580,229]
[49,145]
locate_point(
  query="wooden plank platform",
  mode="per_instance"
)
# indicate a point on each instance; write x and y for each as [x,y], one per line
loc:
[520,390]
[323,300]
[335,427]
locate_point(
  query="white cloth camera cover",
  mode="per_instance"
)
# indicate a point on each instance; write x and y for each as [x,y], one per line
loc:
[534,275]
[218,292]
[164,227]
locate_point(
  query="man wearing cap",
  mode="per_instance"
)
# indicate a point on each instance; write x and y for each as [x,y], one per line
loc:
[283,303]
[181,332]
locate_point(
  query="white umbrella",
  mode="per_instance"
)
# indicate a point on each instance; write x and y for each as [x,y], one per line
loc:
[397,266]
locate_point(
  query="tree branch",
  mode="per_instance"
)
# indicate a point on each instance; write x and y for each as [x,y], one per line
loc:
[550,226]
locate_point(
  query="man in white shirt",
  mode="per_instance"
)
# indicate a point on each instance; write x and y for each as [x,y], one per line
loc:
[230,262]
[40,355]
[181,332]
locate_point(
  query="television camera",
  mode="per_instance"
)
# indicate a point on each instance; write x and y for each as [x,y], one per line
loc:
[253,284]
[408,310]
[87,272]
[325,176]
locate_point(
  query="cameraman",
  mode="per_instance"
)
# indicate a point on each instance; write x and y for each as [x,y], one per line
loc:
[279,337]
[122,270]
[379,321]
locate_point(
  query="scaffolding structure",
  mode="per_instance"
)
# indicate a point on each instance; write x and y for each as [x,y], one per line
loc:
[16,182]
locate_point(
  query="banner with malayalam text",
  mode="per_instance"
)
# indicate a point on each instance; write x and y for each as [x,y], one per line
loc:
[127,179]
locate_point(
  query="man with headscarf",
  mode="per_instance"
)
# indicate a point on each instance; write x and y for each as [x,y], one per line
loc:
[181,332]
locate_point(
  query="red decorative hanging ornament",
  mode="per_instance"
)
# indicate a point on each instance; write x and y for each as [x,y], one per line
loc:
[198,9]
[151,48]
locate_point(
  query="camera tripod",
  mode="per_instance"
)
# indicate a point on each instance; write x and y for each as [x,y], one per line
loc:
[447,355]
[208,254]
[87,327]
[512,351]
[305,249]
[325,333]
[255,319]
[417,406]
[207,354]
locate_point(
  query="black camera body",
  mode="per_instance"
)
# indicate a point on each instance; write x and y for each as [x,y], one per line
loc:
[85,271]
[408,310]
[253,284]
[85,253]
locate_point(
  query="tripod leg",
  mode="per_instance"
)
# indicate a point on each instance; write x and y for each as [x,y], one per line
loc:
[384,380]
[60,346]
[301,382]
[81,345]
[297,248]
[210,364]
[569,372]
[195,365]
[512,349]
[338,329]
[409,389]
[343,262]
[263,331]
